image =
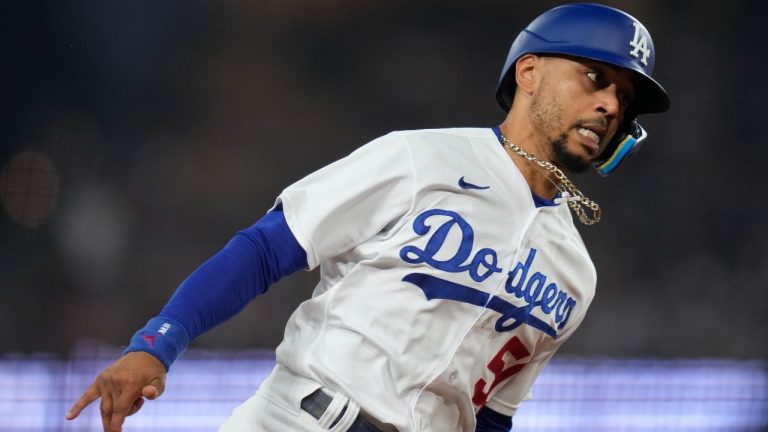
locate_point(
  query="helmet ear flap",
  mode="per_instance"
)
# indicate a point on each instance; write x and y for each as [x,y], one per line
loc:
[623,146]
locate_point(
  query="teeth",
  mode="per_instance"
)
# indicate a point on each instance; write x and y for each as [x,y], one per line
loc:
[589,134]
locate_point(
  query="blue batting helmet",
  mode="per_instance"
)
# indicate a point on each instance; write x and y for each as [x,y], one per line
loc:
[600,33]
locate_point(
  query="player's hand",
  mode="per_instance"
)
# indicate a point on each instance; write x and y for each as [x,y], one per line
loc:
[122,388]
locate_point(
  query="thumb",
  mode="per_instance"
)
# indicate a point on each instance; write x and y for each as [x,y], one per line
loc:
[153,390]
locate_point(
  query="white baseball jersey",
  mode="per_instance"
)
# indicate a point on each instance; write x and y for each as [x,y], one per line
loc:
[443,287]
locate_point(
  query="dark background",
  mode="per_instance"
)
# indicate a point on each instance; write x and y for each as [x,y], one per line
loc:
[137,137]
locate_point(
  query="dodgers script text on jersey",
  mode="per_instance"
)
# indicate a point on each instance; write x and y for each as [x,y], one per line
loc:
[530,290]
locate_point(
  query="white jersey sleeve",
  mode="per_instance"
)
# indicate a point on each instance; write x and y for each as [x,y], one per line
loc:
[350,200]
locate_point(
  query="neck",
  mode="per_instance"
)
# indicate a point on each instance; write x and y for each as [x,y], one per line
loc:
[541,182]
[542,176]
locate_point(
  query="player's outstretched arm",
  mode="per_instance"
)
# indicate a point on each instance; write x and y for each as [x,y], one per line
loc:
[122,388]
[254,259]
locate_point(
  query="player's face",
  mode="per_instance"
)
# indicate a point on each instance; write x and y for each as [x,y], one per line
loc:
[578,106]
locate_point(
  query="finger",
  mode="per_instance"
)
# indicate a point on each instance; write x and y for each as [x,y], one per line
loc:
[137,404]
[106,412]
[90,395]
[123,405]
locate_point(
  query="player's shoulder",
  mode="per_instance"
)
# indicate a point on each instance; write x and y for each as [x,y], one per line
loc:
[435,139]
[426,145]
[443,133]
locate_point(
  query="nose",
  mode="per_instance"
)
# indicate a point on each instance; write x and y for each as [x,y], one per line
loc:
[609,101]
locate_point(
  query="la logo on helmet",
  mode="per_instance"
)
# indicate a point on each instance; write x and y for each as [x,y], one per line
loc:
[640,44]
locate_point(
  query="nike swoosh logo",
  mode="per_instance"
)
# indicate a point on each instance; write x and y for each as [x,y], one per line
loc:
[466,185]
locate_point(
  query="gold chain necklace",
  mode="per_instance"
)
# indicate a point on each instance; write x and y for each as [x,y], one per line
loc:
[576,200]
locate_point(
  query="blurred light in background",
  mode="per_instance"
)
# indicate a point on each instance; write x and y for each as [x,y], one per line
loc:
[29,188]
[92,231]
[572,394]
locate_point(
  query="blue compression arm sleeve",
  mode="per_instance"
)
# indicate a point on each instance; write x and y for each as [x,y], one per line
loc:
[253,260]
[489,420]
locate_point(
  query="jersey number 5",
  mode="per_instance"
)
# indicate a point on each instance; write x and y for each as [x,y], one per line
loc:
[504,364]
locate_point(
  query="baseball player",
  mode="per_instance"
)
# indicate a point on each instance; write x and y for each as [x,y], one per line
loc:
[450,267]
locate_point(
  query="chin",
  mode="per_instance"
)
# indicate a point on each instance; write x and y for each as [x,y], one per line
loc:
[568,159]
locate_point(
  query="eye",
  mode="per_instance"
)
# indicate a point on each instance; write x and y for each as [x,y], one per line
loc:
[595,76]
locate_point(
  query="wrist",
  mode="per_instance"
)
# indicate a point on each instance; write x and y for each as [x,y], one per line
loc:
[164,338]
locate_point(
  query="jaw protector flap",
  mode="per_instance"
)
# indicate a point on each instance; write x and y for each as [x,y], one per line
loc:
[622,147]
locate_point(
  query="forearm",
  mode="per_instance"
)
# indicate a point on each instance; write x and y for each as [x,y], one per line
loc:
[247,266]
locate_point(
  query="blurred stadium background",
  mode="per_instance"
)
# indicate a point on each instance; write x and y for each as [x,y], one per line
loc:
[137,137]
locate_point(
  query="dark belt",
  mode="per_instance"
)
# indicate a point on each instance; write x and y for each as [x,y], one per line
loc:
[317,402]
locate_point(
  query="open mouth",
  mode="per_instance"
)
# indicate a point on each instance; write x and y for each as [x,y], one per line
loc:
[591,138]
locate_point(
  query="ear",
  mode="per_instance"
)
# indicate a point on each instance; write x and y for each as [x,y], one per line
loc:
[526,72]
